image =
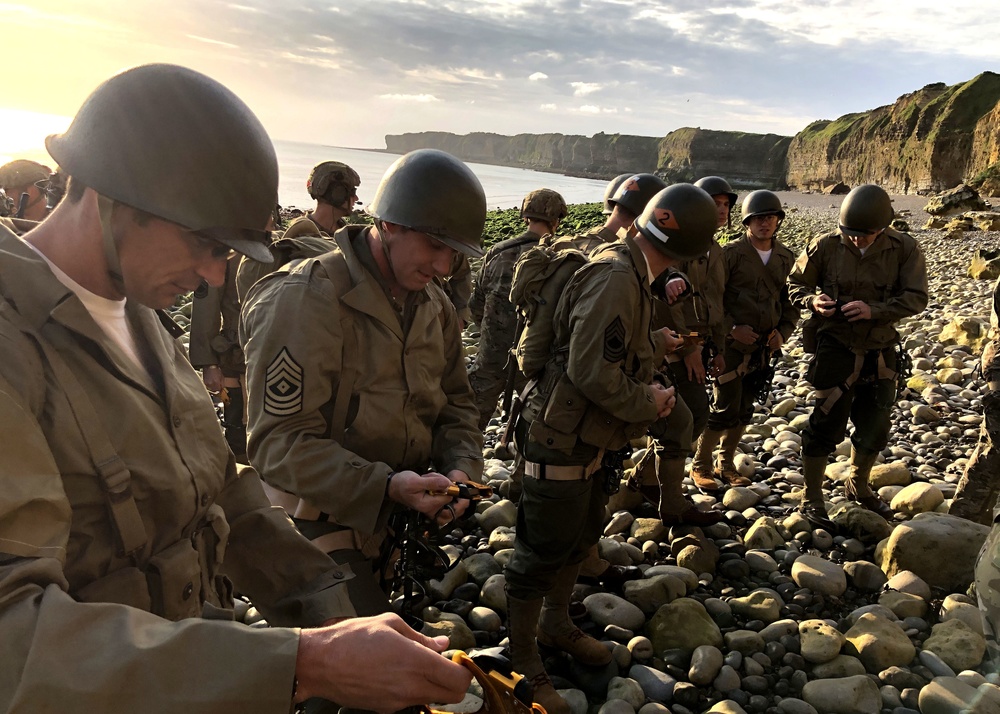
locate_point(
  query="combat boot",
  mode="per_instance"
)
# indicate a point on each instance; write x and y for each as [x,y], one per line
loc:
[674,508]
[813,508]
[522,621]
[727,457]
[556,629]
[701,466]
[858,489]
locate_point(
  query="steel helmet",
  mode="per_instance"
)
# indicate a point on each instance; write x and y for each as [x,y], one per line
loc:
[543,204]
[613,185]
[22,172]
[433,192]
[866,209]
[762,203]
[635,192]
[680,221]
[179,145]
[330,175]
[716,185]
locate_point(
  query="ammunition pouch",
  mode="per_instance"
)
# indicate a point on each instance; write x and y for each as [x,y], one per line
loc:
[568,417]
[181,581]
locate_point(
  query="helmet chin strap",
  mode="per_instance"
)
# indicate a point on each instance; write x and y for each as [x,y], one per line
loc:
[384,242]
[105,210]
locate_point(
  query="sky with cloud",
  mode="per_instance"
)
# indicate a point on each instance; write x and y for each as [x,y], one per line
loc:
[347,73]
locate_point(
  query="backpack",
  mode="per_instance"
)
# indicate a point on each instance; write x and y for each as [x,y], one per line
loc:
[540,277]
[303,239]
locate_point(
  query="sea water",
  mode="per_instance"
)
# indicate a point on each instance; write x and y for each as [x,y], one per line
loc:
[505,186]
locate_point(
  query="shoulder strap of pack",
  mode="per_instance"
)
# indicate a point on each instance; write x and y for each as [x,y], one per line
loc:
[116,480]
[340,275]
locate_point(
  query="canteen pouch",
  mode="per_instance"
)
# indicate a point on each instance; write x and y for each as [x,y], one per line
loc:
[126,586]
[174,579]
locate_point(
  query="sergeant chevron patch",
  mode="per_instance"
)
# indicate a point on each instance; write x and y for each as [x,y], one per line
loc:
[614,341]
[283,385]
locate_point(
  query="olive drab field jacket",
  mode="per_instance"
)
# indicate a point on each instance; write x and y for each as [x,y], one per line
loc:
[408,402]
[757,294]
[891,277]
[95,562]
[597,387]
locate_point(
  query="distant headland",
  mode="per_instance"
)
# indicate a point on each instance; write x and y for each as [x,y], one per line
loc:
[925,142]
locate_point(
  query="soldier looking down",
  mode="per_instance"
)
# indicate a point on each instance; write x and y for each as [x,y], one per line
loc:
[598,390]
[857,282]
[359,400]
[125,524]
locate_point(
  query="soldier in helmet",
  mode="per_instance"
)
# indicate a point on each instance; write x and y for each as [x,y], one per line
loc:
[20,177]
[701,313]
[659,475]
[857,282]
[214,332]
[359,401]
[595,394]
[125,522]
[759,317]
[541,210]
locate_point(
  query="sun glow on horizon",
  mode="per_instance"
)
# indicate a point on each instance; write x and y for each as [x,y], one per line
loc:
[22,134]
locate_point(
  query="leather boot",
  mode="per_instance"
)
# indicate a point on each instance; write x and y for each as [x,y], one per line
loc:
[674,508]
[522,621]
[813,508]
[857,487]
[556,629]
[727,465]
[701,466]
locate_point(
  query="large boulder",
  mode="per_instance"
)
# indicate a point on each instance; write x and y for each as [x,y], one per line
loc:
[819,641]
[682,624]
[968,330]
[879,643]
[846,695]
[958,645]
[819,575]
[960,199]
[939,548]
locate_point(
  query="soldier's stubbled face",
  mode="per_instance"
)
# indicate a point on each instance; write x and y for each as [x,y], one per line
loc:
[417,258]
[162,260]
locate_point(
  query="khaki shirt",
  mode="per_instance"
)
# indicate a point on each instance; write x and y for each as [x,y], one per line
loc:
[756,294]
[411,407]
[891,277]
[58,555]
[602,326]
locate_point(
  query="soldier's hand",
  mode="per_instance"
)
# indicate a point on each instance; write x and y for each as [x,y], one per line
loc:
[718,365]
[744,334]
[695,367]
[857,310]
[212,377]
[412,490]
[458,506]
[376,663]
[670,338]
[775,340]
[673,289]
[664,398]
[824,305]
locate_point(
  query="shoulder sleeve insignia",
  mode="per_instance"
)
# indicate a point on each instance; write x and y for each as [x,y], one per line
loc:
[614,341]
[283,388]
